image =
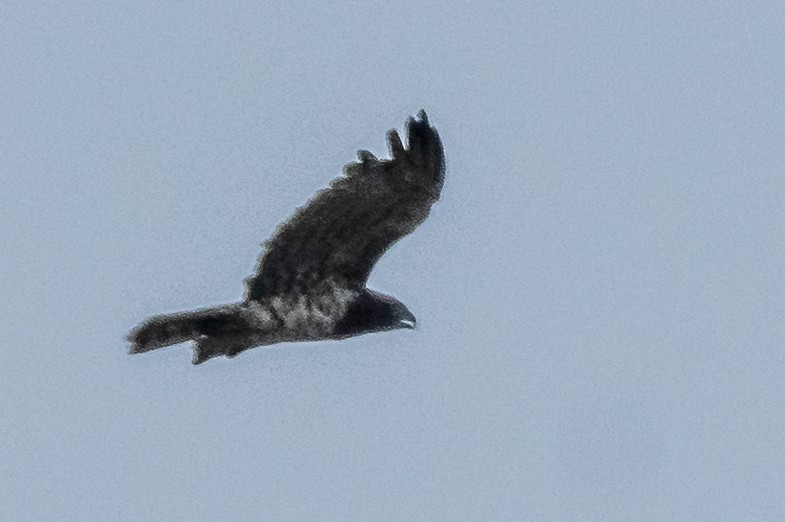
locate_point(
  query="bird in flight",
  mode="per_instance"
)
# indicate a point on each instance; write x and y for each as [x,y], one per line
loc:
[311,279]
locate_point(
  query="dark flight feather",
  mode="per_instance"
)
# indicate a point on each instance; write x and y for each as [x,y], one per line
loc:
[311,279]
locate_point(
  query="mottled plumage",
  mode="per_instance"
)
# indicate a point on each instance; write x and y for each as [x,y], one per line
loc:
[311,279]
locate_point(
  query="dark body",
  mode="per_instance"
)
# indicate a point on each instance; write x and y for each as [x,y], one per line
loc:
[311,279]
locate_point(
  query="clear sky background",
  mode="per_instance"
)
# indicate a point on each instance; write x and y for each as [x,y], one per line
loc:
[600,291]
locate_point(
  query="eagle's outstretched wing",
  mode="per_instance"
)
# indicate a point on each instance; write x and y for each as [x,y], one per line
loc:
[340,234]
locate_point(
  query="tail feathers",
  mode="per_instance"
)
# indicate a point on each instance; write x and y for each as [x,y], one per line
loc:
[164,330]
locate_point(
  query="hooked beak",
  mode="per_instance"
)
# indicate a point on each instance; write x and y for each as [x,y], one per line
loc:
[408,320]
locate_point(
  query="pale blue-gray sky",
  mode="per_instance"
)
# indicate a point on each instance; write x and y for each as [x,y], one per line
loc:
[600,291]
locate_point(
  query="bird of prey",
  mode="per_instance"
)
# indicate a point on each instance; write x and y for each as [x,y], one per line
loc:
[311,279]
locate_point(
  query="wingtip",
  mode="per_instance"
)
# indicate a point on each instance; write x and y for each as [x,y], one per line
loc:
[419,132]
[366,156]
[394,144]
[420,122]
[420,136]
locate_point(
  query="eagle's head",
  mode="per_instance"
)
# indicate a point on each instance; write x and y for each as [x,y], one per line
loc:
[374,312]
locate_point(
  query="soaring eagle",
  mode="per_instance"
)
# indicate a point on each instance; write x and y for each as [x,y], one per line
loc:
[311,279]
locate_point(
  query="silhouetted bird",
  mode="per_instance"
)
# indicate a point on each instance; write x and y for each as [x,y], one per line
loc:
[311,280]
